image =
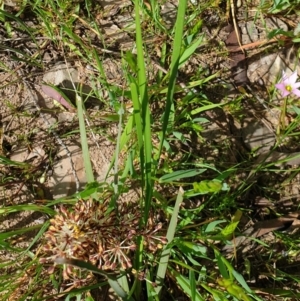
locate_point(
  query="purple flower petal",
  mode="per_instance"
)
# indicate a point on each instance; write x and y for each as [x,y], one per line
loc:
[296,92]
[280,86]
[285,93]
[288,84]
[296,85]
[293,78]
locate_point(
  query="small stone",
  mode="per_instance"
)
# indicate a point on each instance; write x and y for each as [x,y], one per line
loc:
[61,74]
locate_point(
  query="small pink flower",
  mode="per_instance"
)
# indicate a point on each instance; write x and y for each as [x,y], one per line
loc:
[288,84]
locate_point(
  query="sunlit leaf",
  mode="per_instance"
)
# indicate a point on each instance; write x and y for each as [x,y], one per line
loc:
[207,186]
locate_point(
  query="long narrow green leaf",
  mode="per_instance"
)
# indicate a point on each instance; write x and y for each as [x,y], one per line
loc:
[117,152]
[190,50]
[72,35]
[164,259]
[125,137]
[185,285]
[6,161]
[38,236]
[123,279]
[181,174]
[192,285]
[137,115]
[146,161]
[217,295]
[90,178]
[31,207]
[145,148]
[179,26]
[84,144]
[20,22]
[5,235]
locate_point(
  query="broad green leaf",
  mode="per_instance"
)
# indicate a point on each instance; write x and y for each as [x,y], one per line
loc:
[212,226]
[207,186]
[229,229]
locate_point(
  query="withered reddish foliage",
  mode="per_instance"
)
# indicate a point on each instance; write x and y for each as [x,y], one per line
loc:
[90,232]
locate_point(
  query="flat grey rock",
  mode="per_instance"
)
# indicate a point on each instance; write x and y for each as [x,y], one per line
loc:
[62,182]
[257,137]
